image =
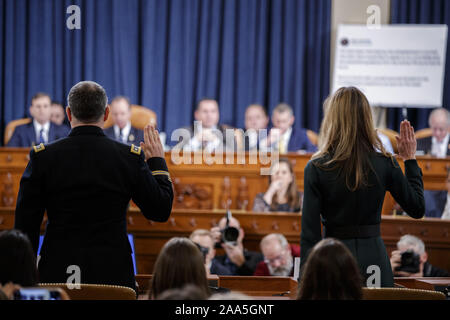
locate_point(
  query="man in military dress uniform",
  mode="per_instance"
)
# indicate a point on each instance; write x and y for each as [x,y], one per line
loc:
[84,182]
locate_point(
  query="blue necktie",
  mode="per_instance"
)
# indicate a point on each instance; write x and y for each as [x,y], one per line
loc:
[41,136]
[120,135]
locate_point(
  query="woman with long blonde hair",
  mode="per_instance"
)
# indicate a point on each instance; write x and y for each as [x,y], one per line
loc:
[346,181]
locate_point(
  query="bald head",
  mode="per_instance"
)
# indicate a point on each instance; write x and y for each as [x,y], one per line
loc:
[439,122]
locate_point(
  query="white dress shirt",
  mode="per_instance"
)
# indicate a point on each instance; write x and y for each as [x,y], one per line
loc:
[196,144]
[439,149]
[125,132]
[284,138]
[37,130]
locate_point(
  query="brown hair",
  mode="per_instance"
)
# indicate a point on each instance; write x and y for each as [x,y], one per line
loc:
[124,98]
[347,136]
[293,197]
[40,95]
[179,263]
[330,273]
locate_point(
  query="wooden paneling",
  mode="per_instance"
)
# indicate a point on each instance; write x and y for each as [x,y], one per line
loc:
[234,167]
[149,237]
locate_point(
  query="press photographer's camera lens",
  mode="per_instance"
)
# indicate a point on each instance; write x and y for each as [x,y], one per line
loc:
[230,235]
[410,262]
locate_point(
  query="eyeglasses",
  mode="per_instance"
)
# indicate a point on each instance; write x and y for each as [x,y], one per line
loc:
[279,258]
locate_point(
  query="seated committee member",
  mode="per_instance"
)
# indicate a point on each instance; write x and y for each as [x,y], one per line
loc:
[237,260]
[283,136]
[122,130]
[282,194]
[423,267]
[330,273]
[206,134]
[59,114]
[278,256]
[205,241]
[255,119]
[438,144]
[41,129]
[85,183]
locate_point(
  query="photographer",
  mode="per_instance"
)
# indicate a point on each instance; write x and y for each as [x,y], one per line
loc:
[410,260]
[237,260]
[205,242]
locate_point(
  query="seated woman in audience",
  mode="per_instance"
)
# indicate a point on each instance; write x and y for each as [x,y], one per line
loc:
[179,263]
[17,259]
[330,273]
[282,194]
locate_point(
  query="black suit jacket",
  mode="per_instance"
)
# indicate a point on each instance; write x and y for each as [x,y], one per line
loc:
[327,200]
[25,135]
[134,137]
[252,259]
[424,145]
[85,182]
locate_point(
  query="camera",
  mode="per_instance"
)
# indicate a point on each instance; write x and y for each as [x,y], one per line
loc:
[410,262]
[229,235]
[203,250]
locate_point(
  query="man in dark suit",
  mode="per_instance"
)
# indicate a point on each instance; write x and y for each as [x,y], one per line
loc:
[41,129]
[237,260]
[256,119]
[284,137]
[122,130]
[206,134]
[438,145]
[85,182]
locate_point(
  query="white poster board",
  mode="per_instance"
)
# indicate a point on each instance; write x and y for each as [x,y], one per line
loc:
[394,65]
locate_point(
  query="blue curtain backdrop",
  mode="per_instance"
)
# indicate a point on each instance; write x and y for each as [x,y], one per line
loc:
[167,54]
[421,12]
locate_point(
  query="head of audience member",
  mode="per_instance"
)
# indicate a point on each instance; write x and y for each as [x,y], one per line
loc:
[40,108]
[256,117]
[87,104]
[58,113]
[283,117]
[120,111]
[18,261]
[282,179]
[347,135]
[439,122]
[207,111]
[330,273]
[179,263]
[188,292]
[412,243]
[277,254]
[204,239]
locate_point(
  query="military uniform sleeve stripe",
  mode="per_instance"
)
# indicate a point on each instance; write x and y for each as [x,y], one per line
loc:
[161,173]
